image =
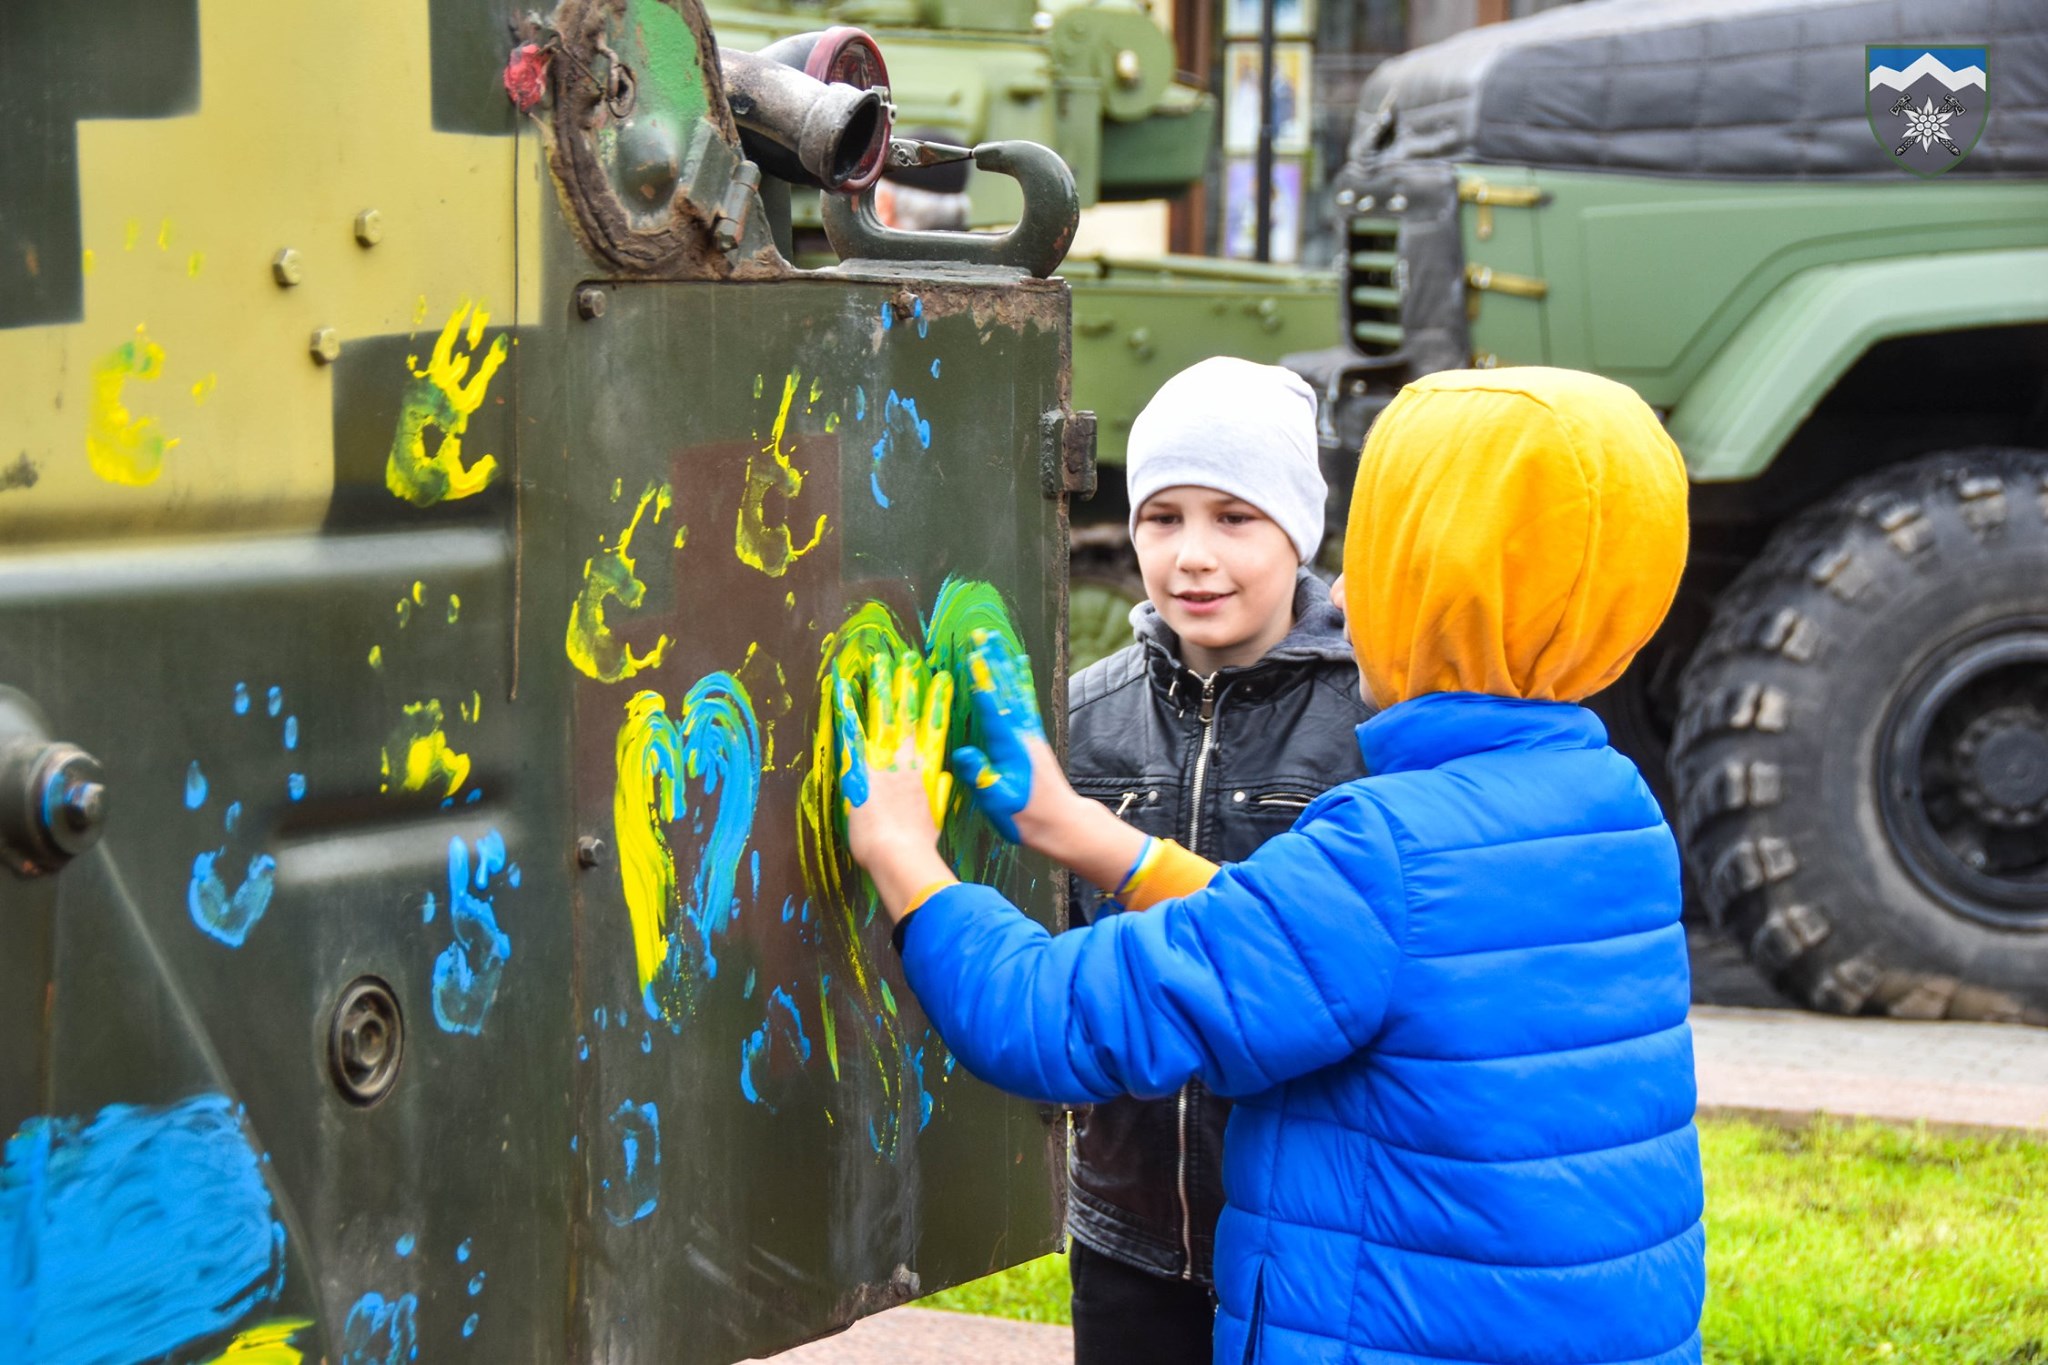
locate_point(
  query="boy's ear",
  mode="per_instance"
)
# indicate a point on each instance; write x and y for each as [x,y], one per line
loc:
[1337,592]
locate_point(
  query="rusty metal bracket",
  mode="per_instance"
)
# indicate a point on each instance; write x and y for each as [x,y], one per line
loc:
[1068,464]
[1036,245]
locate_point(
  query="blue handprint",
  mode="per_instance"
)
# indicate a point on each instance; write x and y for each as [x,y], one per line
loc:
[467,972]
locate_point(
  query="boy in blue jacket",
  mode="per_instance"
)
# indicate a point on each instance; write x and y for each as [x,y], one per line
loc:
[1451,1002]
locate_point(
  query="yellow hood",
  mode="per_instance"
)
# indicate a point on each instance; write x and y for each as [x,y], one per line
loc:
[1518,532]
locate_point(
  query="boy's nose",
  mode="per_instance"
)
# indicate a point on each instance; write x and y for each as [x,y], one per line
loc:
[1195,553]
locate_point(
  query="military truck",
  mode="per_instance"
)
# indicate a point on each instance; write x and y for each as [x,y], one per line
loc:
[433,518]
[1847,712]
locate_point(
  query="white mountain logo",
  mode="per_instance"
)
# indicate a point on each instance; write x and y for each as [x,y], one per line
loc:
[1927,64]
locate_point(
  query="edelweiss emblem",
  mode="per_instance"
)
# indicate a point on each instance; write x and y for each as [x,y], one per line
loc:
[1927,105]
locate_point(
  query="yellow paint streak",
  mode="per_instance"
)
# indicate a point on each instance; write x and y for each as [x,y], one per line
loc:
[86,261]
[641,805]
[163,235]
[772,549]
[123,447]
[454,607]
[203,387]
[419,593]
[268,1343]
[418,753]
[609,576]
[376,656]
[193,264]
[442,397]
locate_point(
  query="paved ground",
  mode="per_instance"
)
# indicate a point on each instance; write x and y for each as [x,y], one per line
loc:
[1765,1061]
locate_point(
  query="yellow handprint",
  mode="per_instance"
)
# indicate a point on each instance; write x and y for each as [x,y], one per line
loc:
[444,394]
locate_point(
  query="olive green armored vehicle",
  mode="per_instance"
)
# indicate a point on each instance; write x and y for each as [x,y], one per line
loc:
[1814,235]
[434,513]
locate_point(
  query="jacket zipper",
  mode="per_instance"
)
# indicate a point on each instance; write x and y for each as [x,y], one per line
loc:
[1187,1216]
[1285,800]
[1125,804]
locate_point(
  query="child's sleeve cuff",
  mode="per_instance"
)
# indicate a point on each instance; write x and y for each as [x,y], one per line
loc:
[1163,871]
[902,924]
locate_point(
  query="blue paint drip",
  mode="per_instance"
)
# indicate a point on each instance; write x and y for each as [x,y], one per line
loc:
[406,1244]
[633,1187]
[888,317]
[427,908]
[467,972]
[462,1250]
[469,1325]
[513,874]
[646,1041]
[195,787]
[917,311]
[381,1332]
[472,796]
[241,699]
[860,402]
[582,1048]
[273,700]
[788,908]
[229,916]
[130,1236]
[296,786]
[291,723]
[476,1284]
[757,872]
[575,1141]
[232,820]
[748,993]
[774,1052]
[935,367]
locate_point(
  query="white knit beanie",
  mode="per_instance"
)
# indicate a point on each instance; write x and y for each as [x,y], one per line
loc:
[1243,429]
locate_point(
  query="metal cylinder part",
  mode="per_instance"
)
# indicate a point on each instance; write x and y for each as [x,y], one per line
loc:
[803,130]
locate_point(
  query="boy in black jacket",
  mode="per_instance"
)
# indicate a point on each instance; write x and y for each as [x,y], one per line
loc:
[1233,709]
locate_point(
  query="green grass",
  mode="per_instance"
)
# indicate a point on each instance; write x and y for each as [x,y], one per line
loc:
[1831,1244]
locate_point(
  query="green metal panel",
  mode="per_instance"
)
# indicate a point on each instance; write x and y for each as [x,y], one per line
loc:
[1650,277]
[1139,322]
[1754,394]
[1509,328]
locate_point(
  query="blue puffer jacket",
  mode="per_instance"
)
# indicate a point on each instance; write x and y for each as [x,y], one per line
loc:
[1451,1005]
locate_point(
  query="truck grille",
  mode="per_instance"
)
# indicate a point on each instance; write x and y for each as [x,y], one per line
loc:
[1372,284]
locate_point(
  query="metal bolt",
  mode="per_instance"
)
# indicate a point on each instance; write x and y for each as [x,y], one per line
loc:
[1398,204]
[286,268]
[589,302]
[1346,198]
[326,346]
[1129,69]
[369,227]
[84,806]
[589,851]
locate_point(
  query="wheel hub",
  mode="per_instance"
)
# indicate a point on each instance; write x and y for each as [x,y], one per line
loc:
[2003,760]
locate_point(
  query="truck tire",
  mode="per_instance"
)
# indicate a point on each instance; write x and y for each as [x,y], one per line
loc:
[1102,587]
[1861,756]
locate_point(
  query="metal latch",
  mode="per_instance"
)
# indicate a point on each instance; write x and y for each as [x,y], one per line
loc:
[1486,195]
[1503,282]
[1068,464]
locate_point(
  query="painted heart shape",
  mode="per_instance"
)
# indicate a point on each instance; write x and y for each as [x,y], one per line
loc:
[711,746]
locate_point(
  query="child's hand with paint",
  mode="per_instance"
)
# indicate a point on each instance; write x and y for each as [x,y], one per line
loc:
[1018,764]
[893,780]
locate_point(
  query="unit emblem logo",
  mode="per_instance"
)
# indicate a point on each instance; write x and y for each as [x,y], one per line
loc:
[1926,104]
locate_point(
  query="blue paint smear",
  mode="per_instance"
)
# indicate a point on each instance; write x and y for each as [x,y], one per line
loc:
[646,1041]
[130,1236]
[195,787]
[273,700]
[600,1016]
[469,1325]
[291,723]
[241,699]
[467,972]
[474,795]
[748,993]
[917,311]
[406,1244]
[476,1284]
[860,402]
[229,916]
[575,1141]
[935,368]
[381,1332]
[888,317]
[232,820]
[462,1251]
[427,908]
[633,1186]
[757,871]
[774,1052]
[788,908]
[900,421]
[582,1048]
[296,785]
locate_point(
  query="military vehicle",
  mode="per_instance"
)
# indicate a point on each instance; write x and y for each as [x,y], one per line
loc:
[1847,713]
[1094,80]
[433,513]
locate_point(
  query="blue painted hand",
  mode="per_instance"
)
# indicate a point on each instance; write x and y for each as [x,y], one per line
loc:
[999,778]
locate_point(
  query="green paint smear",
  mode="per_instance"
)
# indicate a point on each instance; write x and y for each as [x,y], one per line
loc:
[671,79]
[831,1025]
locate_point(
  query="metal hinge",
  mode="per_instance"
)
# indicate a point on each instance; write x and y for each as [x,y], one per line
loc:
[1068,464]
[1487,196]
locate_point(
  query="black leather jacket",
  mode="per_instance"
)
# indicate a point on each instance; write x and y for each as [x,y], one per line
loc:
[1222,764]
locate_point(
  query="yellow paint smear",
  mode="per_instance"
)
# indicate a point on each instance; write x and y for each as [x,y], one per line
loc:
[124,447]
[442,396]
[609,575]
[268,1343]
[418,756]
[772,549]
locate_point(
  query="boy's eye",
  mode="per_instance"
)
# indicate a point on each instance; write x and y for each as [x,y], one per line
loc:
[1162,518]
